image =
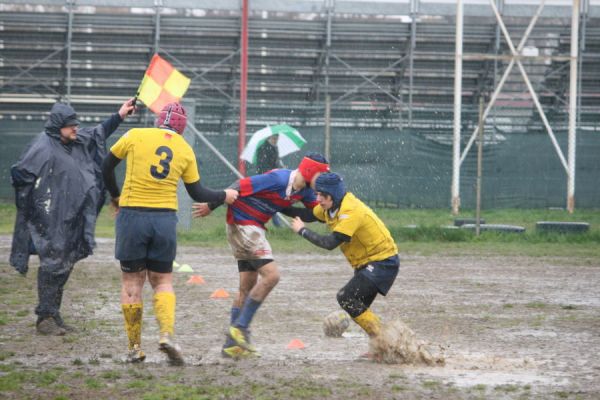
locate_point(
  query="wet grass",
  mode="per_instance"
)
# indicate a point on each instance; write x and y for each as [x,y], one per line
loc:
[14,377]
[536,304]
[398,388]
[431,384]
[17,381]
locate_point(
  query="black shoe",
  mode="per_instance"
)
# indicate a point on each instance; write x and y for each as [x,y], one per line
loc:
[48,326]
[66,327]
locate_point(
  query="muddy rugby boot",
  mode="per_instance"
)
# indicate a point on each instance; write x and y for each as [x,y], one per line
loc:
[173,351]
[231,350]
[241,337]
[236,352]
[135,355]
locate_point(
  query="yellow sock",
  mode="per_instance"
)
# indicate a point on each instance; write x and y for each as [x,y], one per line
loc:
[164,308]
[369,322]
[132,314]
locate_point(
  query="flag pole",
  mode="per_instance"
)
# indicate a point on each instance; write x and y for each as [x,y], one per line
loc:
[135,98]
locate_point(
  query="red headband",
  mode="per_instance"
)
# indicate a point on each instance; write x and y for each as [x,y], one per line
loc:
[309,168]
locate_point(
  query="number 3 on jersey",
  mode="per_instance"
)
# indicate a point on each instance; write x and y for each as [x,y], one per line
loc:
[166,155]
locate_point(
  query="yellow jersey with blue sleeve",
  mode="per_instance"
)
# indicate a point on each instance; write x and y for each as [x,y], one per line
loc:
[370,239]
[156,159]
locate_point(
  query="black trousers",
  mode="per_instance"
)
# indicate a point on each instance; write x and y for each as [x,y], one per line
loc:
[51,282]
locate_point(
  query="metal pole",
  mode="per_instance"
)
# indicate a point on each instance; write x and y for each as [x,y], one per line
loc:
[413,41]
[530,87]
[243,86]
[479,169]
[585,8]
[457,108]
[507,57]
[573,106]
[184,211]
[328,127]
[69,47]
[157,5]
[505,75]
[327,95]
[496,51]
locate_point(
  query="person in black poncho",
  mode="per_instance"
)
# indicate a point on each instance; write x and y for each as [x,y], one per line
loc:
[59,193]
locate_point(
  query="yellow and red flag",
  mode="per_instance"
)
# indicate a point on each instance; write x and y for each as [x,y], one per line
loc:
[162,84]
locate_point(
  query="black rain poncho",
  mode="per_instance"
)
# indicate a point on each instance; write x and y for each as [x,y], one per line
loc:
[59,191]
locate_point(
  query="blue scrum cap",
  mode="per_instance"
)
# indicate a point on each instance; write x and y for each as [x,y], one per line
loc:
[331,184]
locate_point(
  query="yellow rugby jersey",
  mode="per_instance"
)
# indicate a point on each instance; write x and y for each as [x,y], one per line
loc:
[371,240]
[156,159]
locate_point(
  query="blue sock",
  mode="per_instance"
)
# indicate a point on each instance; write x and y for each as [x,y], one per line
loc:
[235,313]
[247,313]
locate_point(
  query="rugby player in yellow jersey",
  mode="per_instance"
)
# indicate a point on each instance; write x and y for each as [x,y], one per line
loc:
[146,240]
[364,240]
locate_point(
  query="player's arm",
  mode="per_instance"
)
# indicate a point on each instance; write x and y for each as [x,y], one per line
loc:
[214,204]
[305,214]
[203,194]
[328,242]
[108,174]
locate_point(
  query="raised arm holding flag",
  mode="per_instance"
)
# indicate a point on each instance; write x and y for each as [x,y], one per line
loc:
[162,84]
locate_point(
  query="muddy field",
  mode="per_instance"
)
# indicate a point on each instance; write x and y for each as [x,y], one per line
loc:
[508,327]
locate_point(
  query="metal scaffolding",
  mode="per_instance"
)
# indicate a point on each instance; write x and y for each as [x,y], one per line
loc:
[412,66]
[516,57]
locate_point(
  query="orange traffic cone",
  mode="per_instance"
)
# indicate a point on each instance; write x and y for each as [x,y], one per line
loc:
[295,344]
[195,280]
[219,294]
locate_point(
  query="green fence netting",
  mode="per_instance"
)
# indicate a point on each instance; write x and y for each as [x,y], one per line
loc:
[405,168]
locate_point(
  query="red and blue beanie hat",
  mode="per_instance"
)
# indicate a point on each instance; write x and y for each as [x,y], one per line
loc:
[312,164]
[333,185]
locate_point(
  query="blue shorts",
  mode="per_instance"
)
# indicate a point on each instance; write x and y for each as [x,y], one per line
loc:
[146,235]
[381,273]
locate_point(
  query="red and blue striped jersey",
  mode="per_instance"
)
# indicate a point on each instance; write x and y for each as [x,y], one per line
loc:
[261,196]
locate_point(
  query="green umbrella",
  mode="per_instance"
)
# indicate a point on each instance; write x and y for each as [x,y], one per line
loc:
[290,140]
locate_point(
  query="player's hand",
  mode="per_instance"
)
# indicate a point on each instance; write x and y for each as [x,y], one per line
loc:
[200,210]
[297,224]
[231,196]
[127,107]
[114,203]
